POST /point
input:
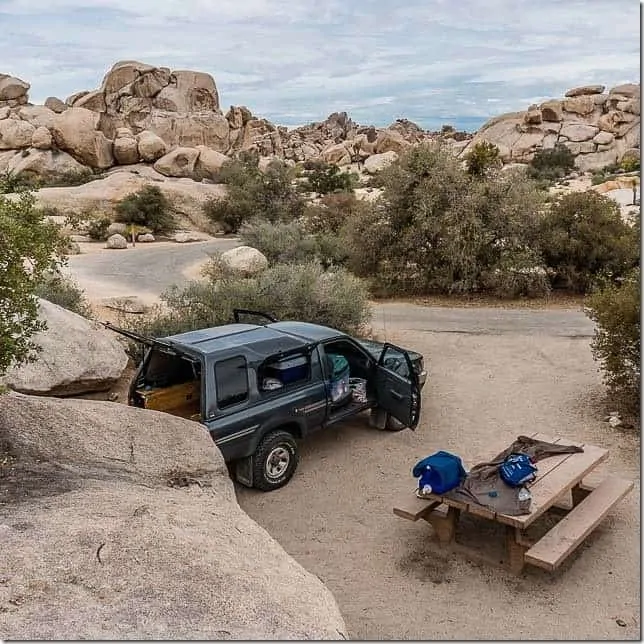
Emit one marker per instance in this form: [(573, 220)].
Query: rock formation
[(122, 523), (598, 128), (77, 356), (173, 119)]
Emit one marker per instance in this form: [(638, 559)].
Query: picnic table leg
[(515, 549), (445, 526), (579, 492)]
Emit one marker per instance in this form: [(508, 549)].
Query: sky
[(296, 61)]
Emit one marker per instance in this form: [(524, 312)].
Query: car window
[(287, 372), (231, 381)]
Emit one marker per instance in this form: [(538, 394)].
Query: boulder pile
[(143, 114), (598, 127)]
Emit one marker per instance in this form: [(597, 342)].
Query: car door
[(398, 395)]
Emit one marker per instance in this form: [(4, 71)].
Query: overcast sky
[(296, 61)]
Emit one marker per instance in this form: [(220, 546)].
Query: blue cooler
[(289, 370), (441, 472)]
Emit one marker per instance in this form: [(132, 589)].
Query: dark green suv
[(259, 387)]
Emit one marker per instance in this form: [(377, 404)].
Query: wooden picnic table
[(558, 477)]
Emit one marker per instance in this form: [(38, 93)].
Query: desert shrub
[(148, 207), (482, 158), (437, 229), (287, 291), (630, 163), (12, 182), (332, 213), (583, 236), (252, 194), (63, 291), (97, 228), (73, 178), (519, 274), (87, 222), (280, 242), (325, 178), (292, 242), (615, 308), (552, 163), (24, 233)]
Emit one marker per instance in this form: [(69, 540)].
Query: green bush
[(615, 308), (268, 195), (11, 182), (582, 236), (630, 163), (436, 229), (97, 228), (24, 233), (333, 212), (325, 178), (552, 164), (148, 207), (72, 178), (280, 242), (483, 158), (63, 291), (288, 291)]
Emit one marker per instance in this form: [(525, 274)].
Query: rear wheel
[(275, 461)]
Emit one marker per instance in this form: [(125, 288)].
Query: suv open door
[(398, 395)]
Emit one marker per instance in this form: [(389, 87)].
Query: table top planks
[(556, 475)]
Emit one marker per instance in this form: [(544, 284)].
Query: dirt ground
[(390, 578)]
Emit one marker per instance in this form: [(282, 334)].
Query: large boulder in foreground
[(122, 523), (77, 356)]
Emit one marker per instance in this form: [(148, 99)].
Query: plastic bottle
[(524, 494)]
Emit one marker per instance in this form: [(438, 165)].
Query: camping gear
[(485, 477), (288, 370), (439, 473), (517, 470), (358, 388), (338, 383)]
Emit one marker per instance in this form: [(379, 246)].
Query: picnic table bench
[(558, 476)]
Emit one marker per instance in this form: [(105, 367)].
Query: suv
[(258, 387)]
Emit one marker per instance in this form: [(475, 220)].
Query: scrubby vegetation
[(615, 308), (63, 291), (19, 182), (31, 247), (253, 194), (552, 164), (148, 207), (302, 291), (582, 236), (483, 158), (324, 178)]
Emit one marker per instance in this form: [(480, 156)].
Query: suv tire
[(275, 461), (394, 425)]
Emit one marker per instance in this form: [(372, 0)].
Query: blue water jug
[(441, 471)]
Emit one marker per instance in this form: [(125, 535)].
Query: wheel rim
[(277, 462)]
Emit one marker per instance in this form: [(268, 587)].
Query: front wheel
[(275, 461)]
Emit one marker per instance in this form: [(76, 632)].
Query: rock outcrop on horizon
[(599, 128), (173, 119)]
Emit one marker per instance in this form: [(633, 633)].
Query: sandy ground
[(390, 577)]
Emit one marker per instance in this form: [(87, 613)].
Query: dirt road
[(493, 374)]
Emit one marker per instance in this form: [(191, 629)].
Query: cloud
[(427, 60)]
